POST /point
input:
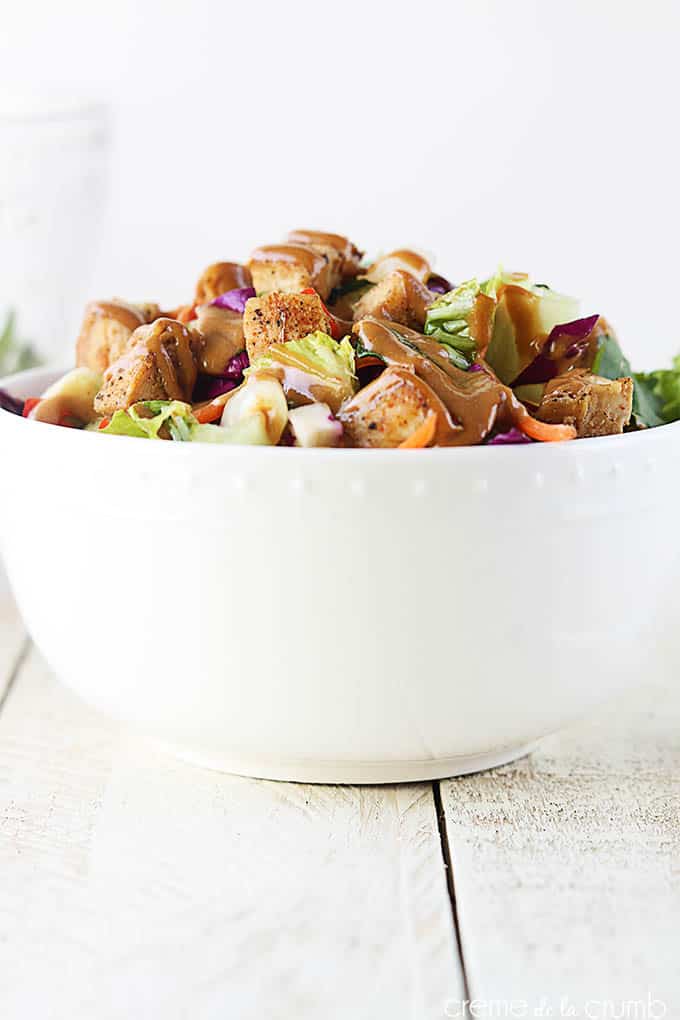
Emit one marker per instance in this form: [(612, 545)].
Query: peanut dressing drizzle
[(301, 254), (474, 402), (177, 378), (127, 315), (341, 244)]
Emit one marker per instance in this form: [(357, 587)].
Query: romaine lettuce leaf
[(325, 366), (650, 392), (324, 354), (449, 319), (145, 419)]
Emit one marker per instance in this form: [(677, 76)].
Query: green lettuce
[(325, 356), (508, 353), (145, 419), (448, 321), (317, 364), (656, 395), (660, 393)]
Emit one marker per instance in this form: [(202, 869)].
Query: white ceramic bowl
[(340, 615)]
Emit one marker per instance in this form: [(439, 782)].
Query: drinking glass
[(53, 191)]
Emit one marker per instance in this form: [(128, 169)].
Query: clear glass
[(53, 192)]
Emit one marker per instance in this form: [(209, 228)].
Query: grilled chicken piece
[(350, 254), (399, 297), (593, 405), (106, 330), (294, 267), (275, 318), (219, 278), (159, 363), (388, 410), (222, 333), (408, 261)]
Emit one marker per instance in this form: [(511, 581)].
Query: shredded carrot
[(104, 423), (185, 313), (212, 411), (422, 436), (544, 432), (29, 404)]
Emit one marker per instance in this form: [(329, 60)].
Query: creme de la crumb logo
[(650, 1008)]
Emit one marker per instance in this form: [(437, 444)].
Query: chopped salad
[(310, 344)]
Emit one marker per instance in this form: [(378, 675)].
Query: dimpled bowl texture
[(340, 615)]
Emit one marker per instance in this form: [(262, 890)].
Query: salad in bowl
[(331, 614), (308, 344)]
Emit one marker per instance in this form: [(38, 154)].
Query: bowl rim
[(539, 452)]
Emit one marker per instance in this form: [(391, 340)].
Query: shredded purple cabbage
[(439, 284), (237, 366), (210, 386), (543, 367), (541, 370), (510, 438), (579, 329), (474, 367), (234, 300), (10, 403)]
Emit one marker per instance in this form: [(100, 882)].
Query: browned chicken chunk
[(409, 261), (349, 253), (159, 363), (399, 297), (388, 410), (275, 318), (294, 267), (219, 278), (594, 406), (106, 330)]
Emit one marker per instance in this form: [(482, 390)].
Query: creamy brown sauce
[(341, 244), (177, 374), (126, 315), (300, 254), (222, 332), (522, 307), (475, 402), (410, 261), (219, 278), (178, 378)]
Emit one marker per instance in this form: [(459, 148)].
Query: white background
[(541, 135)]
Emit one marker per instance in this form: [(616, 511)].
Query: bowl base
[(350, 772)]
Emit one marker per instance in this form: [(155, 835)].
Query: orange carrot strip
[(544, 432), (209, 412), (185, 313), (29, 405), (422, 436)]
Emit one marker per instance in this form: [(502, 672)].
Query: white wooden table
[(133, 885)]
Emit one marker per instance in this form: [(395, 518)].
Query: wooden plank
[(134, 884), (567, 866)]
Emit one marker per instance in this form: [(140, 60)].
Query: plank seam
[(450, 883), (14, 673)]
